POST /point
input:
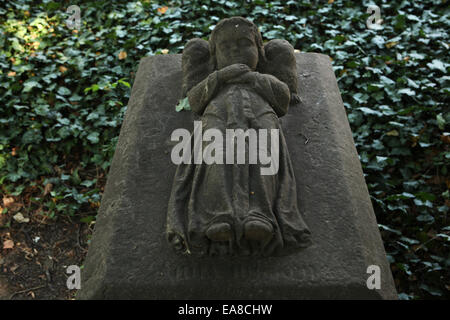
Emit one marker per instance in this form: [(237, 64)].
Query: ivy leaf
[(385, 80), (183, 104), (370, 111), (63, 91), (437, 65), (407, 91), (88, 183), (431, 290), (93, 137), (379, 41), (27, 86), (441, 121)]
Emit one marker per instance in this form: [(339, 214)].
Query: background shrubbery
[(64, 93)]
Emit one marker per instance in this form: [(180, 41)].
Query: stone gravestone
[(130, 257)]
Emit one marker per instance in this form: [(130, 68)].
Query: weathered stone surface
[(130, 258)]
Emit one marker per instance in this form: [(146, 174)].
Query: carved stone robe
[(204, 194)]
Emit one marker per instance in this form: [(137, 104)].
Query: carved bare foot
[(259, 231), (219, 232)]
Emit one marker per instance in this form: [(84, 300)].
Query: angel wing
[(195, 63), (281, 63)]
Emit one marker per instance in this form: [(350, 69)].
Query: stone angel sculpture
[(234, 82)]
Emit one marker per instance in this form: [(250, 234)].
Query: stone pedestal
[(130, 258)]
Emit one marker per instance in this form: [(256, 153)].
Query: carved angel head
[(236, 40)]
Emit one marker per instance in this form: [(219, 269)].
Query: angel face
[(236, 45)]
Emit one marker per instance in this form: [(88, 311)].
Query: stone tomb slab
[(129, 257)]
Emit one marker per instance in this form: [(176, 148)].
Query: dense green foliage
[(64, 94)]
